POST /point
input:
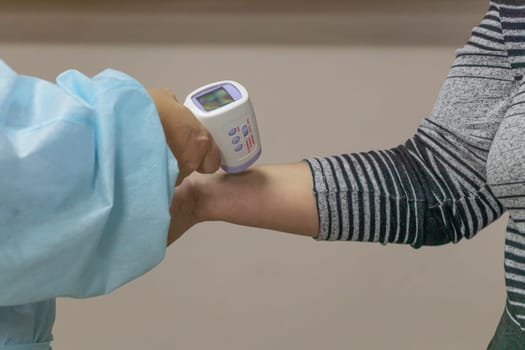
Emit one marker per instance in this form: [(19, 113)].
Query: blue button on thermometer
[(224, 108)]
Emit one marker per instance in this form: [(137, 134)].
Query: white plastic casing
[(221, 122)]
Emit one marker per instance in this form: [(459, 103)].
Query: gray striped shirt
[(464, 166)]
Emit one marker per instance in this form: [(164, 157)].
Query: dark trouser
[(508, 335)]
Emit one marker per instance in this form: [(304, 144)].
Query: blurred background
[(333, 76)]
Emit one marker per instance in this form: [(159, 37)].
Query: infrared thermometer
[(224, 108)]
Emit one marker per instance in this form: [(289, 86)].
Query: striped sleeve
[(431, 189), (423, 192)]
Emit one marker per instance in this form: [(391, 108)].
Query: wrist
[(206, 194)]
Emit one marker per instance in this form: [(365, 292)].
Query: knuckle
[(205, 141)]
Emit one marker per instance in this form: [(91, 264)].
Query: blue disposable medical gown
[(86, 181)]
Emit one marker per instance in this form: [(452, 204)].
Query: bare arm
[(430, 190), (276, 197)]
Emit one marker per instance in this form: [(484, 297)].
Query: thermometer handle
[(224, 108)]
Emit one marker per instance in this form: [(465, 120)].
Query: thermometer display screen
[(215, 99)]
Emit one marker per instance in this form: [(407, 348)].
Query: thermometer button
[(236, 140), (238, 148), (233, 131)]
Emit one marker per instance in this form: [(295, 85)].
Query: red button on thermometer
[(224, 108)]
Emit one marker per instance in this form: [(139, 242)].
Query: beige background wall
[(225, 287)]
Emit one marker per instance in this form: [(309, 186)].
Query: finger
[(183, 173), (211, 161), (191, 158), (184, 169)]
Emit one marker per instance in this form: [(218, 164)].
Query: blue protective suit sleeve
[(86, 183), (28, 326)]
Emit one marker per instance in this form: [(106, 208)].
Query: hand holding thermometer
[(224, 108)]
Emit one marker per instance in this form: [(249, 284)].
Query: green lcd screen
[(215, 99)]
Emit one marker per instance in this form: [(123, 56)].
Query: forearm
[(276, 197)]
